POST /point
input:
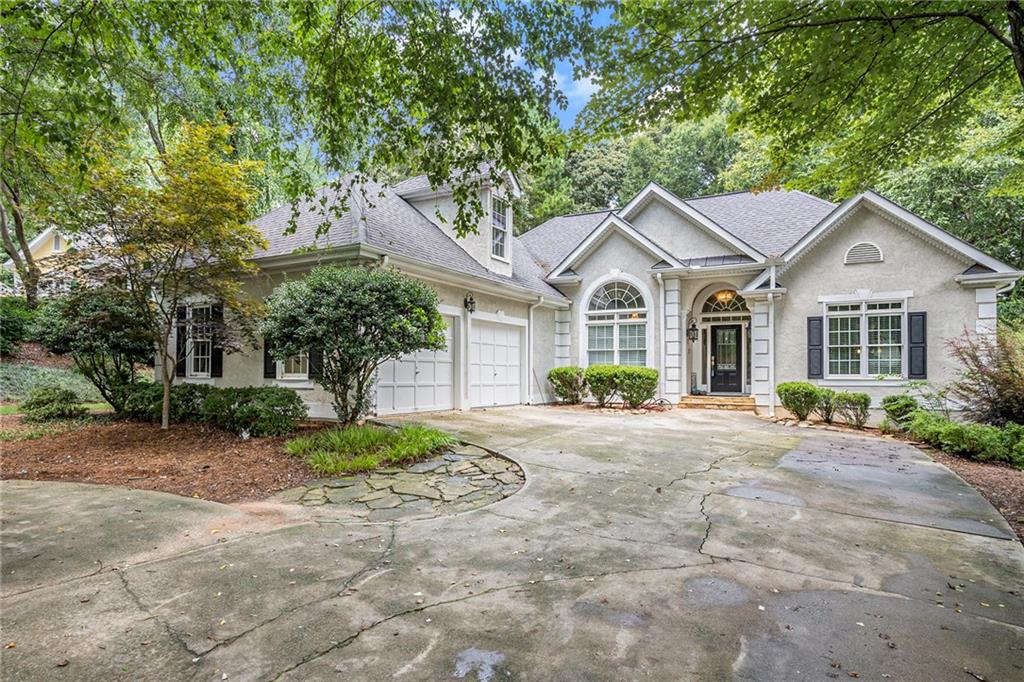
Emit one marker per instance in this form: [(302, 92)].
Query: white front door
[(420, 381), (495, 363)]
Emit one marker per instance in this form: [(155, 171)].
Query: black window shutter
[(179, 343), (269, 363), (815, 348), (917, 346), (316, 363), (216, 349)]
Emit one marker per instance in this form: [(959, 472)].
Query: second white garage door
[(419, 381), (494, 364)]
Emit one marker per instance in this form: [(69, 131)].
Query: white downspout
[(771, 354), (529, 349), (661, 333)]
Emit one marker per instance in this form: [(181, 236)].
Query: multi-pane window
[(200, 340), (617, 326), (499, 227), (296, 366), (865, 339)]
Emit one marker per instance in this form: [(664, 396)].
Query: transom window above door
[(617, 326)]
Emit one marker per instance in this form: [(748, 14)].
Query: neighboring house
[(728, 294), (46, 248)]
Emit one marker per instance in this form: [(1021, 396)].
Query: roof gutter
[(984, 279)]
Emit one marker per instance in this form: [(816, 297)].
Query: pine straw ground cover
[(185, 460)]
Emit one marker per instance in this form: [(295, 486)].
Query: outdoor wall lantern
[(692, 332), (470, 304)]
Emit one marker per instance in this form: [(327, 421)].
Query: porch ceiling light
[(692, 332), (725, 295)]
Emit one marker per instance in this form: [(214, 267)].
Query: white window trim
[(58, 243), (863, 314), (507, 229), (189, 352), (649, 308)]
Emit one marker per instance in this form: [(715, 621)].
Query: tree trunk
[(165, 410), (1016, 17), (19, 254)]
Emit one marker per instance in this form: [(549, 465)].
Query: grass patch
[(18, 379), (365, 448)]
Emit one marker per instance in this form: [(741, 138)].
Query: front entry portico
[(721, 352)]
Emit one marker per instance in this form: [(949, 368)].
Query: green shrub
[(602, 380), (853, 408), (257, 411), (364, 448), (15, 323), (569, 384), (825, 405), (972, 441), (636, 385), (798, 397), (144, 401), (898, 408), (48, 404)]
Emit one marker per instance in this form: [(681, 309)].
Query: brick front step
[(742, 403)]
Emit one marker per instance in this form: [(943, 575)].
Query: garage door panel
[(495, 364), (419, 381)]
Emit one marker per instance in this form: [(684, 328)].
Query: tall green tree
[(869, 86), (170, 229)]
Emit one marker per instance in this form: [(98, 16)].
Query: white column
[(563, 322), (761, 348), (674, 351)]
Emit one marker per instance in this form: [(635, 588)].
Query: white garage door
[(494, 364), (419, 381)]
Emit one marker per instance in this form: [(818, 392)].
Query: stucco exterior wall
[(910, 263), (442, 210), (676, 234), (615, 257)]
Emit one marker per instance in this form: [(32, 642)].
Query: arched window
[(617, 326), (725, 301)]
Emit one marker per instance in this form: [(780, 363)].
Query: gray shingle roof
[(394, 225), (554, 239), (771, 222)]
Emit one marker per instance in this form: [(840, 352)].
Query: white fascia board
[(900, 214), (613, 223), (710, 270), (653, 190), (983, 279), (35, 241)]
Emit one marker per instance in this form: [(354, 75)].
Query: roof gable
[(612, 224), (655, 192), (554, 239)]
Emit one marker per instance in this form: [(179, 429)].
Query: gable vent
[(864, 252)]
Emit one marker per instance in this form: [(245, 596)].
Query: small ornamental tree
[(103, 332), (357, 319)]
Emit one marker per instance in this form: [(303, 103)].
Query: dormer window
[(58, 243), (500, 219)]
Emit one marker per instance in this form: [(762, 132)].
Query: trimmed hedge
[(826, 405), (853, 408), (569, 384), (636, 386), (50, 403), (255, 411), (798, 397), (899, 408), (971, 441), (602, 380)]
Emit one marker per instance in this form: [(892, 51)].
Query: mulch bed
[(185, 460), (1000, 484)]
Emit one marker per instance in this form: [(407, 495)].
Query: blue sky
[(577, 91)]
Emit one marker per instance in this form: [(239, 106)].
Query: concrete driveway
[(683, 545)]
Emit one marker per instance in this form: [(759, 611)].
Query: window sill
[(198, 380), (862, 382), (501, 259), (298, 384)]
